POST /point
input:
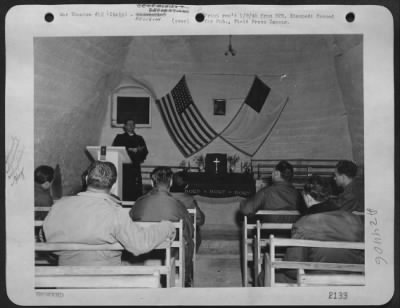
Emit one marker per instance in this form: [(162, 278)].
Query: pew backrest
[(75, 277), (193, 214), (102, 276), (253, 245), (249, 249), (171, 265), (147, 169), (177, 243), (303, 168), (328, 273)]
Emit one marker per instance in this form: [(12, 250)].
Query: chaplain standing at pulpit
[(137, 151)]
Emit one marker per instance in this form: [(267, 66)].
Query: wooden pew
[(171, 265), (261, 241), (72, 277), (193, 214), (249, 249), (102, 276), (303, 168), (147, 169), (354, 274)]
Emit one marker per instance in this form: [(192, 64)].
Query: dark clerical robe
[(132, 175)]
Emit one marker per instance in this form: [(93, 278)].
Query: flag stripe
[(185, 124), (208, 132), (198, 130), (177, 119), (189, 117), (211, 132), (169, 129), (175, 132), (178, 130), (194, 136), (209, 135)]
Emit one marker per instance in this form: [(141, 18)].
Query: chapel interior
[(320, 77)]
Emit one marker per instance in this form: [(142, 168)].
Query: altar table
[(220, 185)]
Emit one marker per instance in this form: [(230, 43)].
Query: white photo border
[(24, 23)]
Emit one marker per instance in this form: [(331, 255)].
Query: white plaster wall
[(70, 99), (313, 124), (75, 76)]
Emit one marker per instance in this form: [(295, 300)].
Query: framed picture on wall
[(219, 106)]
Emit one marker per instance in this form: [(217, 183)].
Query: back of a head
[(44, 174), (101, 175), (318, 188), (286, 170), (178, 182), (161, 176), (347, 168)]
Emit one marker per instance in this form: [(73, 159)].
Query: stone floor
[(218, 260), (215, 270)]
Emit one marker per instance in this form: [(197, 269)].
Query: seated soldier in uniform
[(281, 195), (352, 196), (178, 192), (95, 217), (44, 176), (158, 204), (323, 221)]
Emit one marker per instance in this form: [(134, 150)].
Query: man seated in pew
[(317, 194), (177, 190), (158, 204), (323, 221), (44, 176), (94, 217), (281, 195), (352, 197)]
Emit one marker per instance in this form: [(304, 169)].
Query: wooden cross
[(216, 162)]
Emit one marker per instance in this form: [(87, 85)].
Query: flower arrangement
[(246, 167), (185, 166), (232, 161), (199, 161)]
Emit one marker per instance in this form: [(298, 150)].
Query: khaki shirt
[(278, 196), (96, 218)]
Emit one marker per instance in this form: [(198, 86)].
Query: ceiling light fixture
[(230, 48)]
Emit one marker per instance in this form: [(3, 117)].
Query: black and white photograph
[(224, 164)]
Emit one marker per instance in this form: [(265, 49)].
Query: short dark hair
[(319, 188), (44, 174), (161, 175), (347, 167), (286, 170), (101, 174), (178, 182), (129, 119)]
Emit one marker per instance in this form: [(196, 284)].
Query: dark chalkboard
[(136, 108)]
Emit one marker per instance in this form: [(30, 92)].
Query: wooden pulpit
[(116, 155)]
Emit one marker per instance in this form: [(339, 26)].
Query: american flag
[(184, 123)]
